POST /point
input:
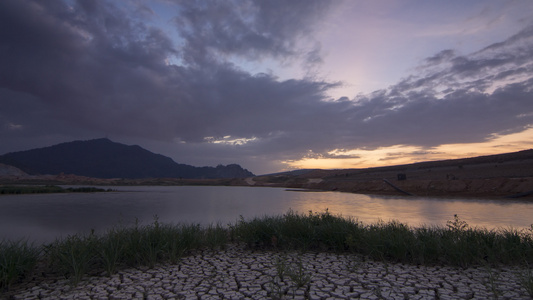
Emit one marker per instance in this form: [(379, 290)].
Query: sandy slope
[(489, 176)]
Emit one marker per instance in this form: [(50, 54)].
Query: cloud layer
[(87, 69)]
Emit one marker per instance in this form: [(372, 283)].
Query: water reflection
[(427, 211), (44, 217)]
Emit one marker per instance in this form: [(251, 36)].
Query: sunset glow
[(399, 154), (270, 85)]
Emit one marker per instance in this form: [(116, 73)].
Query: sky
[(271, 85)]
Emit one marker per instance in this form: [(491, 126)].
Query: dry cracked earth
[(238, 273)]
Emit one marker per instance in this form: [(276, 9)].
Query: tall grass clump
[(111, 250), (73, 256), (120, 247), (321, 231), (17, 260), (215, 236), (182, 239), (456, 244), (386, 241), (143, 245)]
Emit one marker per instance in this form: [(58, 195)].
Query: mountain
[(103, 158)]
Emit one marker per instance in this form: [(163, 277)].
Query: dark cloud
[(87, 69), (251, 29)]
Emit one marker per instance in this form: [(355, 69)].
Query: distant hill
[(6, 170), (508, 175), (103, 158), (297, 172)]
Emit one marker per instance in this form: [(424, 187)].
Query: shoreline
[(492, 176), (239, 273), (503, 189)]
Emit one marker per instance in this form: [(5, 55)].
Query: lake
[(44, 217)]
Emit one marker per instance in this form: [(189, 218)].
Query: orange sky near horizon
[(405, 154)]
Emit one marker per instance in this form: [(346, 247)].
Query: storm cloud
[(88, 69)]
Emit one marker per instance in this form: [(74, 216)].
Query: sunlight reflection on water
[(47, 216)]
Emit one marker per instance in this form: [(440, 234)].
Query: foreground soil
[(239, 273)]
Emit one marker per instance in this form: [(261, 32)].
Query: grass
[(73, 256), (17, 260), (526, 279), (120, 247), (456, 244), (297, 274)]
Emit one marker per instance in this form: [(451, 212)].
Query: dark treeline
[(13, 190)]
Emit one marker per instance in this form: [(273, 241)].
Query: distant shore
[(504, 176), (493, 188)]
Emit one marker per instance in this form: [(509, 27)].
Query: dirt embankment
[(490, 176), (493, 187)]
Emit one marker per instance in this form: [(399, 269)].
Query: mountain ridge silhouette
[(103, 158)]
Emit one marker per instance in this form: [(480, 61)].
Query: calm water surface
[(44, 217)]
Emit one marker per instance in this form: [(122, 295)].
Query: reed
[(456, 244), (215, 236), (111, 250), (297, 231), (73, 256), (17, 260), (120, 247)]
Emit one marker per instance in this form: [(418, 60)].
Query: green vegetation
[(16, 260), (527, 281), (36, 189), (296, 272), (86, 190), (299, 275), (455, 244), (122, 247)]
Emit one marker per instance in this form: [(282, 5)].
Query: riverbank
[(304, 255), (236, 272)]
